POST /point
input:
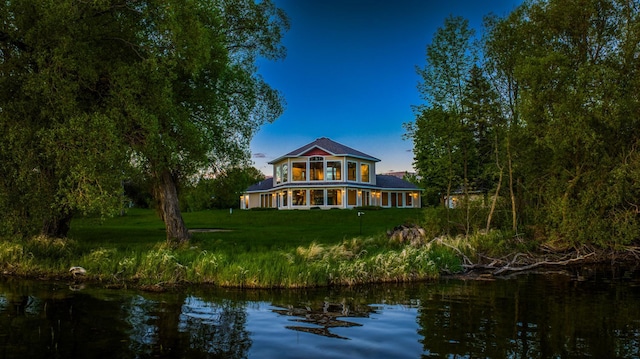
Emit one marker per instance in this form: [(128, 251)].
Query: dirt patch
[(208, 230)]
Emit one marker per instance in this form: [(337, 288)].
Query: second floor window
[(299, 171), (364, 173), (316, 168), (351, 171), (334, 170)]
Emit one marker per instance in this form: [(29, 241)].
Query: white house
[(326, 174)]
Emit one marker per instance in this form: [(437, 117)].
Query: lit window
[(299, 171), (364, 172), (385, 199), (278, 174), (299, 197), (352, 199), (334, 197), (407, 201), (317, 197), (351, 171), (334, 170), (316, 168), (366, 197)]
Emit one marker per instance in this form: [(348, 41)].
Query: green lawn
[(245, 230), (255, 249)]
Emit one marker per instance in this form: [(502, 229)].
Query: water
[(586, 313)]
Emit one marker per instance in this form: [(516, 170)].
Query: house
[(326, 174)]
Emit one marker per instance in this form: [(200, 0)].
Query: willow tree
[(90, 88), (60, 147), (194, 96)]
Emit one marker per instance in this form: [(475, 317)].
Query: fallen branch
[(508, 268)]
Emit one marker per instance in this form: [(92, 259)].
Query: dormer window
[(316, 168)]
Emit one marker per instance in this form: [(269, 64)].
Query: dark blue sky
[(350, 73)]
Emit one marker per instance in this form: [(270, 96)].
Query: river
[(583, 313)]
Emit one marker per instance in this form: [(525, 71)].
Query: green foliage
[(88, 89), (556, 143), (222, 191)]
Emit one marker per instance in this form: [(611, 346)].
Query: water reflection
[(534, 316), (322, 316)]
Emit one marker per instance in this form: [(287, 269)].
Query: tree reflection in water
[(531, 316)]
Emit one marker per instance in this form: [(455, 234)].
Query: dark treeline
[(538, 119)]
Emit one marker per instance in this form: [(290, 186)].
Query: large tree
[(89, 88), (441, 134), (60, 145)]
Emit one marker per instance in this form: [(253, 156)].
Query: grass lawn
[(253, 249), (244, 230)]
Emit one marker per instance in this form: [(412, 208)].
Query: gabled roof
[(329, 146)]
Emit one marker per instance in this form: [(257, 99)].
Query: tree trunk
[(495, 197), (57, 226), (514, 217), (169, 208)]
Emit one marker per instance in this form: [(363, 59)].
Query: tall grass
[(266, 249)]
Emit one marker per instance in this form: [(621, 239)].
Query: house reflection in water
[(324, 316)]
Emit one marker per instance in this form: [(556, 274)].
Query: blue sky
[(350, 73)]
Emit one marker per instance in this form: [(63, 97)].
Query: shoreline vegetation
[(271, 249)]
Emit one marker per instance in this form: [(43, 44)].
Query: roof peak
[(329, 146)]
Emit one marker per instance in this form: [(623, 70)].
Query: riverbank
[(261, 249), (279, 250)]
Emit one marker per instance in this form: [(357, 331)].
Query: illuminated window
[(299, 197), (334, 169), (266, 200), (366, 198), (385, 199), (317, 197), (299, 171), (334, 197), (407, 200), (316, 168), (364, 172), (352, 197), (351, 171)]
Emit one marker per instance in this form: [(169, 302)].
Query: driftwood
[(522, 262), (547, 256)]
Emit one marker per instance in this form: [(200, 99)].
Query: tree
[(60, 144), (485, 125), (167, 86), (576, 68), (221, 191), (440, 134)]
